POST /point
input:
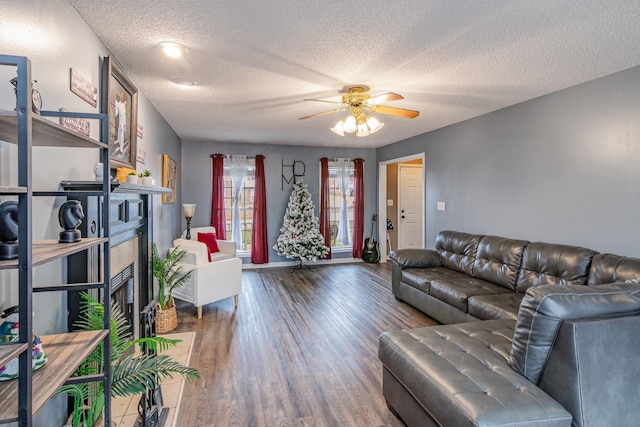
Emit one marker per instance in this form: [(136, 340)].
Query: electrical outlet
[(389, 202), (440, 206)]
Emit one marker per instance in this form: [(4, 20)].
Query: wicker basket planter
[(166, 320)]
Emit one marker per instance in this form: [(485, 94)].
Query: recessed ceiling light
[(185, 82), (172, 49)]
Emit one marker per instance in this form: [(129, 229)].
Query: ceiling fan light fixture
[(374, 125), (338, 128), (363, 129), (349, 124)]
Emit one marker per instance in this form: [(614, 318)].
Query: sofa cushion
[(499, 306), (219, 256), (460, 373), (608, 268), (457, 250), (545, 307), (498, 260), (457, 291), (553, 264), (421, 278)]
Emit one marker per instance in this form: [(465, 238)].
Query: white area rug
[(172, 387)]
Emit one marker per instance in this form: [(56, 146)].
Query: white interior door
[(410, 193)]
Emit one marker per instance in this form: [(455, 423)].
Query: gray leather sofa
[(535, 351), (570, 359), (474, 277)]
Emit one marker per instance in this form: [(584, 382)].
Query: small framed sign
[(76, 124), (83, 88)]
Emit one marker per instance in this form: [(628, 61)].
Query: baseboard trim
[(277, 264)]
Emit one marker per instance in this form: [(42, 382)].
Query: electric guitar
[(370, 252)]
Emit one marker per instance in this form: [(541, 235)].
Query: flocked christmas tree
[(300, 236)]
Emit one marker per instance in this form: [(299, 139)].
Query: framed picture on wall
[(120, 101), (169, 178)]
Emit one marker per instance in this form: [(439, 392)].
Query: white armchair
[(228, 248), (210, 281)]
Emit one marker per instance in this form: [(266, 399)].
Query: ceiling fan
[(359, 102)]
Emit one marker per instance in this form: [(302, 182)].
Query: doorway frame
[(382, 198)]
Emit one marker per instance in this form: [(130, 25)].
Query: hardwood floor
[(301, 349)]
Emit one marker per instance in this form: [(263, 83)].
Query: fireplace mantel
[(116, 187)]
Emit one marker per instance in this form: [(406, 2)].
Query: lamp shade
[(374, 124), (338, 128), (188, 210), (349, 124)]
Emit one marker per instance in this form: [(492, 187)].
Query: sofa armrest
[(227, 246), (211, 282), (416, 258)]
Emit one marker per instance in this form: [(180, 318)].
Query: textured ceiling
[(450, 59)]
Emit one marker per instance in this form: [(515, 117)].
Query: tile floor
[(124, 411)]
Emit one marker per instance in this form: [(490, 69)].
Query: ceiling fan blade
[(386, 97), (393, 111), (323, 100), (320, 114)]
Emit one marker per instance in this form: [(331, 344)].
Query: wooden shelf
[(9, 351), (65, 352), (48, 250), (12, 190), (45, 133)]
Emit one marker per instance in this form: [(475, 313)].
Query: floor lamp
[(188, 210)]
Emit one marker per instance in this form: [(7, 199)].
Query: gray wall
[(560, 168), (56, 39), (196, 179)]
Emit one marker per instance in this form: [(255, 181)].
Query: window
[(341, 173), (245, 203)]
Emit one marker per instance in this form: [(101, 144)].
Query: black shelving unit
[(20, 399)]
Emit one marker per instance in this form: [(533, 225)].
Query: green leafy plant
[(131, 374), (132, 173), (169, 274), (146, 172)]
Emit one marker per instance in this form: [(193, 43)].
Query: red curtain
[(259, 244), (325, 205), (358, 202), (217, 197)]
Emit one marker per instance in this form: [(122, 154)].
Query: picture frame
[(119, 100), (169, 178)]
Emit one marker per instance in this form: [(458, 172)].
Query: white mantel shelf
[(116, 187)]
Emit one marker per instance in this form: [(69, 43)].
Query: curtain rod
[(227, 156), (336, 159)]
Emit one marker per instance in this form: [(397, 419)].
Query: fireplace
[(131, 225), (123, 294)]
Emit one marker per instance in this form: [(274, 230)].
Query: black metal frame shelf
[(20, 399)]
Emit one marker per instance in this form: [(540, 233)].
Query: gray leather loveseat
[(549, 354)]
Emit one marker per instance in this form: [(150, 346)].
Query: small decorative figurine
[(9, 230), (36, 98), (98, 171), (70, 216), (9, 333)]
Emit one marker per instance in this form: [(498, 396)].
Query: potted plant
[(132, 178), (170, 276), (146, 177), (131, 373)]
